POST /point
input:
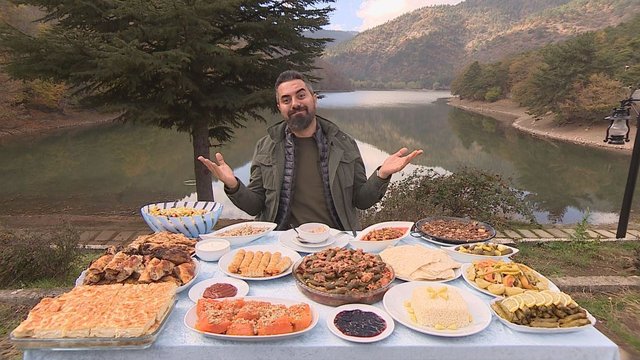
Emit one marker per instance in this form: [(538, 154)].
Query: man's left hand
[(396, 162)]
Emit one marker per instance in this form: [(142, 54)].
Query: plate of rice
[(437, 309)]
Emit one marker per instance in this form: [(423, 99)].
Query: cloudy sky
[(360, 15)]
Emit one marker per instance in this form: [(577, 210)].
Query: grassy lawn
[(581, 258), (11, 316), (64, 280), (618, 317)]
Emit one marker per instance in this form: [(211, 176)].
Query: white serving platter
[(378, 246), (537, 330), (191, 318), (226, 259), (241, 240), (457, 272), (394, 302), (467, 258), (80, 279), (474, 286)]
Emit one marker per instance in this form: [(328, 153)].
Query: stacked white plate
[(291, 240)]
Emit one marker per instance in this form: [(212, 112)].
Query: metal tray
[(416, 231), (93, 343)]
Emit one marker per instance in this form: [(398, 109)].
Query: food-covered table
[(493, 343)]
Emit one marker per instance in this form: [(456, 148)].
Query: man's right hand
[(221, 170)]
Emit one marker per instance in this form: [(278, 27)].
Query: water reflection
[(118, 168)]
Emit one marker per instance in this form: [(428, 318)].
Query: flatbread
[(416, 262)]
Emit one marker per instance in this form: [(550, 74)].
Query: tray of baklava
[(114, 316)]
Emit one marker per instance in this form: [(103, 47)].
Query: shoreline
[(510, 113), (40, 124)]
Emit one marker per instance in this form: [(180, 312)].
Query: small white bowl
[(377, 246), (213, 249), (314, 232)]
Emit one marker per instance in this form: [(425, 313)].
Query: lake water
[(115, 169)]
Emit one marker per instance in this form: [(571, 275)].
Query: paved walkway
[(102, 239)]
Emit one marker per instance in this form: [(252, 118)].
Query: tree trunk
[(200, 136)]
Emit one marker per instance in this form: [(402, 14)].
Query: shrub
[(493, 94), (467, 193), (43, 96), (26, 256)]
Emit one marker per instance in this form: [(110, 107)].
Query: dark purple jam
[(359, 323)]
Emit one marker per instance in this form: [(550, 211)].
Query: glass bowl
[(330, 299)]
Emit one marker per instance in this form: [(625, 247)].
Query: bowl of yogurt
[(212, 249)]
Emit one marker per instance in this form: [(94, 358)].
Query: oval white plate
[(226, 259), (286, 239), (467, 258), (241, 240), (456, 274), (536, 330), (198, 289), (472, 284), (387, 318), (191, 317), (395, 298), (386, 224), (80, 278), (378, 246)]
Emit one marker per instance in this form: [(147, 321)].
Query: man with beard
[(306, 169)]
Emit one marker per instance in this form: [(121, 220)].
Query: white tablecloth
[(494, 343)]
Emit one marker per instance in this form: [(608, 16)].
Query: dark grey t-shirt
[(308, 203)]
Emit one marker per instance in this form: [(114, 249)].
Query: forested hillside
[(429, 45), (579, 80)]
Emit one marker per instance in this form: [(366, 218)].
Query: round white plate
[(198, 289), (388, 319), (80, 278), (241, 240), (536, 330), (456, 274), (473, 285), (467, 258), (330, 240), (286, 239), (226, 259), (191, 317), (395, 298)]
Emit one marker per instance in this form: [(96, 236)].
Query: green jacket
[(350, 188)]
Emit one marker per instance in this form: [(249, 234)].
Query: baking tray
[(416, 231), (94, 343)]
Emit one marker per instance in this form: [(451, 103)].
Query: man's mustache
[(297, 109)]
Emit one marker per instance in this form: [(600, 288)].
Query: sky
[(360, 15)]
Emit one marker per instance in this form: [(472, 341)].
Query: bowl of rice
[(190, 218)]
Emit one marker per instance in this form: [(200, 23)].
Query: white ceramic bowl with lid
[(212, 249)]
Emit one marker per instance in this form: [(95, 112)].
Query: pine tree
[(205, 67)]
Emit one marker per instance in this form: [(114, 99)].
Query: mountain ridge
[(431, 44)]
